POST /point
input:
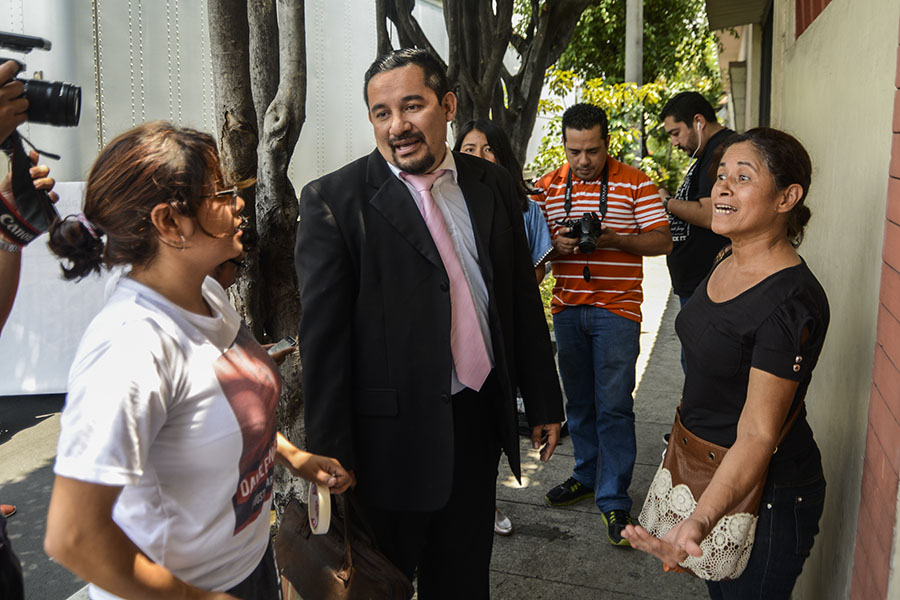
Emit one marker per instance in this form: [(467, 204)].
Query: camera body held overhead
[(49, 102)]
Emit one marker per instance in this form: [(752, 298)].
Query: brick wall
[(807, 11), (878, 504)]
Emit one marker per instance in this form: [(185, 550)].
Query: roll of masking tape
[(319, 509)]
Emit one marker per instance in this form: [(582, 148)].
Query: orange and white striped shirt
[(633, 207)]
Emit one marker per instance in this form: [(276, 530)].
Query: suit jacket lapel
[(393, 200), (480, 202)]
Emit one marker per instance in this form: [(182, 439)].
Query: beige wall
[(833, 89)]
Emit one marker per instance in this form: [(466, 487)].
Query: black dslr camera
[(587, 229), (50, 102)]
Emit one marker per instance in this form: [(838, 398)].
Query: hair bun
[(797, 220), (72, 242)]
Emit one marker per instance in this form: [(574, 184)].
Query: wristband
[(14, 226), (7, 247), (666, 203)]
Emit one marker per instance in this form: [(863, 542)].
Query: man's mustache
[(412, 137)]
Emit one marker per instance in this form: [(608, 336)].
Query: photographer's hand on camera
[(563, 244), (608, 238), (12, 104), (10, 256), (42, 181)]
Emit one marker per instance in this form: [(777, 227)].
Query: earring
[(182, 243)]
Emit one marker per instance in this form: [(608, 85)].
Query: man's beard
[(413, 166)]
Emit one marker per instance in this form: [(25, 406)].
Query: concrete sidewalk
[(559, 553), (555, 553)]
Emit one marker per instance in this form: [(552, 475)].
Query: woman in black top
[(752, 334)]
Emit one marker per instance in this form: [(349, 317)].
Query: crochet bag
[(688, 466)]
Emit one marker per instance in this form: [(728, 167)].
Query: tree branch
[(263, 22), (381, 30), (408, 28)]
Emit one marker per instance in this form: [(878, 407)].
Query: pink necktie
[(466, 340)]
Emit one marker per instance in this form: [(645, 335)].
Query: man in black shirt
[(691, 124)]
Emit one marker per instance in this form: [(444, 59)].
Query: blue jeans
[(597, 352), (788, 523)]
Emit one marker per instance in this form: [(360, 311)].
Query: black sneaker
[(615, 521), (567, 493)]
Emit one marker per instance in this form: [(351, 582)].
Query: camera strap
[(604, 190), (35, 211), (604, 193)]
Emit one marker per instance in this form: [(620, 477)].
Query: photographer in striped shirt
[(604, 216)]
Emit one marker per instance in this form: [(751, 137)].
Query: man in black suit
[(416, 411)]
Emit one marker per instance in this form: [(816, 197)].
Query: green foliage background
[(680, 53)]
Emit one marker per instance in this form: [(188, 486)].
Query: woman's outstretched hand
[(682, 540)]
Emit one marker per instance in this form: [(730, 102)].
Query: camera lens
[(53, 102)]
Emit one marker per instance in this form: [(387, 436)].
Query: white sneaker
[(502, 524)]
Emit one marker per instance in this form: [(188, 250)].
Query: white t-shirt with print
[(178, 408)]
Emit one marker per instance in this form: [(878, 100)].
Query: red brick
[(890, 289), (886, 378), (882, 481), (870, 505), (881, 518), (895, 156), (880, 526), (893, 203), (866, 586), (891, 250), (897, 80), (895, 126), (801, 19), (861, 571), (875, 459), (888, 334), (878, 560), (869, 486), (881, 574), (886, 428)]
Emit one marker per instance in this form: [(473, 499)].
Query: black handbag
[(344, 563)]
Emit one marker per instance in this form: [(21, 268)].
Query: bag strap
[(348, 553), (785, 429), (788, 424), (35, 211), (348, 500)]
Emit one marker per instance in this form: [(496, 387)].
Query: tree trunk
[(277, 220), (261, 108), (236, 122), (634, 41)]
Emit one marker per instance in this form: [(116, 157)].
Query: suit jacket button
[(445, 398), (445, 287)]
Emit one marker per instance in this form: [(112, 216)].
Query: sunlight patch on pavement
[(657, 288)]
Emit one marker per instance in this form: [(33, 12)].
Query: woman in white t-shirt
[(168, 440)]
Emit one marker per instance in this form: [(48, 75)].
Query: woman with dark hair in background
[(752, 333), (486, 140), (168, 440)]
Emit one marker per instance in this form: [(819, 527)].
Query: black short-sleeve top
[(777, 326)]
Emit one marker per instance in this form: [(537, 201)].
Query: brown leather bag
[(686, 470), (341, 564)]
